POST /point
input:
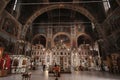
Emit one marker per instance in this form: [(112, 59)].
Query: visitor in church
[(44, 66), (56, 70)]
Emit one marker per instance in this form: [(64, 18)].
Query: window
[(106, 4), (15, 4), (61, 53), (65, 53)]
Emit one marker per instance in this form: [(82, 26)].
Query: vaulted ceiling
[(26, 9)]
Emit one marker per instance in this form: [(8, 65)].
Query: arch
[(36, 36), (86, 36), (52, 7), (60, 33)]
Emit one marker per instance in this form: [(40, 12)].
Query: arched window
[(106, 4), (15, 4)]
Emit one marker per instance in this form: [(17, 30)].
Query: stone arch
[(60, 33), (37, 35), (86, 36), (52, 7)]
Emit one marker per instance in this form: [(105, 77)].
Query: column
[(49, 37), (73, 36)]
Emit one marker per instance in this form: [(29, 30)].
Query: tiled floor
[(84, 75)]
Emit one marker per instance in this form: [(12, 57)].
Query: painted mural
[(9, 28)]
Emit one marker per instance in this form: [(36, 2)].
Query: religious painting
[(62, 40), (24, 62), (7, 24), (9, 27), (42, 30), (79, 28), (16, 62)]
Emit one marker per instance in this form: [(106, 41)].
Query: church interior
[(80, 37)]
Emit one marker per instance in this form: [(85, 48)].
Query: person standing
[(56, 70), (44, 66)]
